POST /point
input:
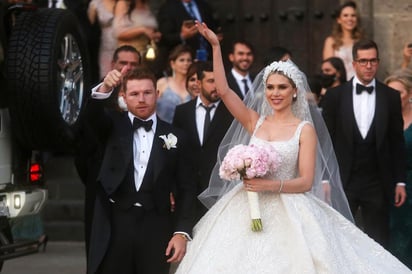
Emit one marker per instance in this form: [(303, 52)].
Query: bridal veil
[(327, 184)]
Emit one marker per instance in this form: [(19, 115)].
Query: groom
[(134, 230)]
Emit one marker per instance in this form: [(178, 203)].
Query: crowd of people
[(155, 131)]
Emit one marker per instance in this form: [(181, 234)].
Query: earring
[(294, 96)]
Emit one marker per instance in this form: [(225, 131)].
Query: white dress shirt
[(239, 81), (142, 146), (100, 95), (364, 107), (142, 141), (59, 4), (200, 116)]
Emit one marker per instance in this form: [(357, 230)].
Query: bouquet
[(249, 161)]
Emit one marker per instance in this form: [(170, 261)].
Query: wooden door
[(298, 25)]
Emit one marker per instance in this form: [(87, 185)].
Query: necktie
[(245, 86), (191, 11), (206, 124), (147, 125), (360, 88)]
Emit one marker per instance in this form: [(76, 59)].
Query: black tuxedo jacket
[(170, 169), (203, 156), (233, 83), (339, 117)]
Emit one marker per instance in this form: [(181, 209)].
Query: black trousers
[(138, 242), (374, 208)]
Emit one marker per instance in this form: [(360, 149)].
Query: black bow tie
[(360, 88), (147, 125)]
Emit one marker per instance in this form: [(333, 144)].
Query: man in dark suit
[(125, 58), (145, 158), (191, 117), (365, 123), (176, 23), (89, 151), (241, 56)]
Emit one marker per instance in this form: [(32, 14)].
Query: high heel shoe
[(43, 242)]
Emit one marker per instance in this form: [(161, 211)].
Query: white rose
[(170, 141)]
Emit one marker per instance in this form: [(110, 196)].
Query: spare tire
[(47, 71)]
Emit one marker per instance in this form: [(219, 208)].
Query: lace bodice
[(288, 151)]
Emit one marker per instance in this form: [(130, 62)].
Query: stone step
[(63, 213), (62, 179), (62, 191), (63, 210), (64, 230)]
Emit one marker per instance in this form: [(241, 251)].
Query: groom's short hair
[(364, 44), (138, 74)]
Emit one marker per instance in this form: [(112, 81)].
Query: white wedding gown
[(301, 234)]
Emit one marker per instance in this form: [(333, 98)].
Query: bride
[(301, 233)]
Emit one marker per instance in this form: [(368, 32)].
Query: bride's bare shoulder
[(308, 132)]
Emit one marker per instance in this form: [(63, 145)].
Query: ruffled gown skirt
[(301, 234)]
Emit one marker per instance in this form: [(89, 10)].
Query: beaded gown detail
[(301, 234)]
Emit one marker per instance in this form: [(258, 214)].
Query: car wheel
[(47, 65)]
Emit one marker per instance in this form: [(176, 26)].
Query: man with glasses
[(365, 123)]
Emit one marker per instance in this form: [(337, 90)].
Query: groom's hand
[(400, 195), (176, 248)]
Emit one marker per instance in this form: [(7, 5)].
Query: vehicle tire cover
[(37, 75)]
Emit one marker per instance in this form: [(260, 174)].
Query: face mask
[(327, 80)]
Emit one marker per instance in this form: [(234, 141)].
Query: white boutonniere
[(170, 141)]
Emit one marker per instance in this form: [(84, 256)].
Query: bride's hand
[(258, 185), (209, 35)]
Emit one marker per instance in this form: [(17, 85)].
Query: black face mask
[(327, 80)]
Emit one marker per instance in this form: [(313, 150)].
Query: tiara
[(287, 67)]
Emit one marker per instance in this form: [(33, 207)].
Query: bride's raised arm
[(247, 117)]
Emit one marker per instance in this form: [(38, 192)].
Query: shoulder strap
[(258, 124), (299, 128)]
